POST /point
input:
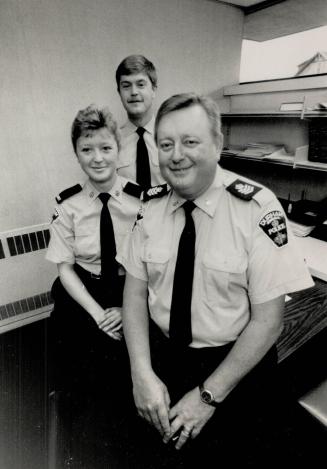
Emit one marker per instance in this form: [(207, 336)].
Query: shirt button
[(91, 194), (149, 256), (117, 193)]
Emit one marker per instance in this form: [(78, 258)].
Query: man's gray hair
[(185, 100)]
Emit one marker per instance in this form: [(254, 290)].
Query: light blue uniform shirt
[(237, 264)]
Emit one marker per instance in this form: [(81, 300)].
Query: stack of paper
[(259, 150), (280, 155), (230, 151), (300, 230), (320, 107)]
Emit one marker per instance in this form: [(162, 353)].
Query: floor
[(24, 397), (33, 435)]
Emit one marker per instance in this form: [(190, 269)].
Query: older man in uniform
[(208, 266), (136, 79)]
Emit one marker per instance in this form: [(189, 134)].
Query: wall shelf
[(288, 118), (270, 114), (311, 166)]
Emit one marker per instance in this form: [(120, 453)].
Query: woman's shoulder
[(68, 193)]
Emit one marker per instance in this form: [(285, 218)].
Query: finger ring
[(186, 432)]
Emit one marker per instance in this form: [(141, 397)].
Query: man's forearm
[(136, 323)]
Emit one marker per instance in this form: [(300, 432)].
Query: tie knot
[(104, 197), (188, 206), (140, 131)]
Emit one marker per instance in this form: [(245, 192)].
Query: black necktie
[(143, 175), (109, 265), (180, 326)]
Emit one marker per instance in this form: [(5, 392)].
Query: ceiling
[(269, 19)]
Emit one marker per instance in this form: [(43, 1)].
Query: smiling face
[(97, 153), (137, 95), (188, 151)]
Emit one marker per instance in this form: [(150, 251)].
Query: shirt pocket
[(86, 243), (156, 260), (221, 273)]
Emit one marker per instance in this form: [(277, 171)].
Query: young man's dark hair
[(137, 64)]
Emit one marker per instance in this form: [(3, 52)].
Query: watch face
[(206, 396)]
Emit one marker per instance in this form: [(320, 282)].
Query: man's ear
[(220, 142), (219, 145)]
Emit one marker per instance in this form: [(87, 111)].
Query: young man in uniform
[(136, 79), (208, 268)]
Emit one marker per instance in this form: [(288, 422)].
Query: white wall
[(58, 56), (61, 55)]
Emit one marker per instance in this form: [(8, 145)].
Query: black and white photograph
[(163, 234)]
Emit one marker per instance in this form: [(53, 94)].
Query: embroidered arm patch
[(273, 225)]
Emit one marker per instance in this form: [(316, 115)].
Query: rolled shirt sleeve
[(130, 256), (61, 245)]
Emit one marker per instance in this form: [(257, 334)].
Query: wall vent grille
[(2, 254), (25, 305), (26, 242)]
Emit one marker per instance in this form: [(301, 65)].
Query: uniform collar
[(130, 128), (207, 201), (115, 192)]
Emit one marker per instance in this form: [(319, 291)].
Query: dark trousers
[(240, 431), (82, 354), (91, 377)]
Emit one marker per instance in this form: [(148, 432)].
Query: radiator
[(26, 277)]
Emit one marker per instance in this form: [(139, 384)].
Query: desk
[(315, 254), (305, 316)]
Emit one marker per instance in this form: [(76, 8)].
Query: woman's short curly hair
[(92, 118)]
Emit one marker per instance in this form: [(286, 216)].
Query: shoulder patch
[(274, 226), (139, 216), (133, 189), (155, 191), (55, 215), (243, 189), (68, 193)]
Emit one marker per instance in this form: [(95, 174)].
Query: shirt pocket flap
[(223, 263), (156, 255)]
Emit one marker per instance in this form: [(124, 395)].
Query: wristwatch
[(207, 396)]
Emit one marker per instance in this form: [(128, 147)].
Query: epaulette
[(155, 191), (68, 193), (243, 189), (133, 189)]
